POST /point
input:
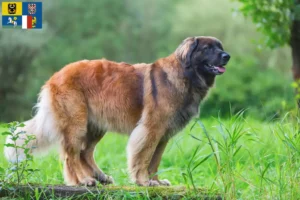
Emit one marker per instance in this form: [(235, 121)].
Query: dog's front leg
[(140, 149), (153, 166)]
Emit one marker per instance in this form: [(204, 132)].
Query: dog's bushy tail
[(42, 126)]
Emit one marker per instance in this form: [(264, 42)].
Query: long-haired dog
[(150, 102)]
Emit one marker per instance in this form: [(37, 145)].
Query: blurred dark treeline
[(143, 31)]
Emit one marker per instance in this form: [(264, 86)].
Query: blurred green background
[(257, 79)]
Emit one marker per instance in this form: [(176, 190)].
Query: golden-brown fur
[(150, 102)]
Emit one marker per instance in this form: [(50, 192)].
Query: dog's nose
[(225, 57)]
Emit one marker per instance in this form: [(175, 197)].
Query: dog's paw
[(152, 183), (104, 179), (88, 181), (108, 180), (165, 182)]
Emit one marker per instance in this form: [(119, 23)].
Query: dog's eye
[(205, 49)]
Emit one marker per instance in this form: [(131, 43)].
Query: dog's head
[(12, 8), (202, 55)]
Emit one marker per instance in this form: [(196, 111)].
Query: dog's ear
[(185, 52)]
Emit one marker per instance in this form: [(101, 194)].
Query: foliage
[(15, 58), (192, 165), (272, 18), (136, 32), (19, 172), (225, 150), (119, 30), (239, 157), (231, 170)]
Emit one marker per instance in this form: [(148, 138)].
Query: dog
[(150, 102), (12, 8)]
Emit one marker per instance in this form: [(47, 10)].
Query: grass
[(240, 158)]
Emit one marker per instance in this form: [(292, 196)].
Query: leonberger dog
[(150, 102)]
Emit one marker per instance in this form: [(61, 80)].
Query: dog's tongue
[(221, 69)]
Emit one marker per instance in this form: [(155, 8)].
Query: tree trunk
[(295, 45)]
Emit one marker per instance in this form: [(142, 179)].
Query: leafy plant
[(225, 152), (287, 131), (194, 162), (279, 21), (19, 171)]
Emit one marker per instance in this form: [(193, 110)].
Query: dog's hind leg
[(88, 161), (155, 161), (74, 171), (72, 116)]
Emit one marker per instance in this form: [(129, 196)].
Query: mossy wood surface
[(111, 192)]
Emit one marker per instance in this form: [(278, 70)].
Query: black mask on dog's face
[(203, 54)]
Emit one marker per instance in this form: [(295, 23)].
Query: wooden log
[(107, 192)]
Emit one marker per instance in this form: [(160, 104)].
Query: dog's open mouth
[(217, 69)]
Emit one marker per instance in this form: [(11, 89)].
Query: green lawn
[(252, 159)]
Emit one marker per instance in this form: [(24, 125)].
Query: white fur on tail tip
[(42, 125)]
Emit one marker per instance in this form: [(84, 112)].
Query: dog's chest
[(182, 117)]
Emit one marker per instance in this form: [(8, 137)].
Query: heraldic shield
[(23, 15)]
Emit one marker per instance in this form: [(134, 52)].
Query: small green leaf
[(202, 161), (6, 133), (9, 145), (195, 137), (13, 168), (236, 151), (21, 132), (26, 151), (21, 125), (14, 138)]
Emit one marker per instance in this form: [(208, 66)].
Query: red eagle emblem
[(31, 8)]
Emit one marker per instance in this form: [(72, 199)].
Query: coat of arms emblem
[(12, 8), (31, 8)]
